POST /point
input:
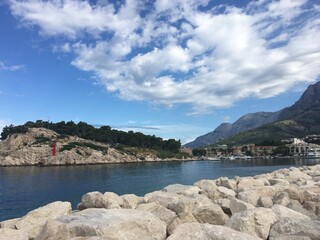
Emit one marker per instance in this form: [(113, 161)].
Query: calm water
[(25, 188)]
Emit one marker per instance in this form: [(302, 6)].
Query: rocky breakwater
[(282, 205)]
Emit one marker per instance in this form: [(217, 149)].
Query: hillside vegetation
[(104, 134), (274, 132)]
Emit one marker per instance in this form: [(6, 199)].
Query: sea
[(23, 189)]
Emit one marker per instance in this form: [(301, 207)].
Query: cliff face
[(34, 148), (305, 112)]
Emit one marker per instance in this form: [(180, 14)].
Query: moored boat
[(313, 153)]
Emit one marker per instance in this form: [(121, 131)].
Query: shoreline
[(104, 163), (282, 204)]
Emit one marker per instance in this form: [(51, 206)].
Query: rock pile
[(281, 205)]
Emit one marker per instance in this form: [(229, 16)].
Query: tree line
[(104, 134)]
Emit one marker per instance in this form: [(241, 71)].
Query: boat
[(212, 158), (313, 153)]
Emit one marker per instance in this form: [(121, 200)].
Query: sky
[(170, 68)]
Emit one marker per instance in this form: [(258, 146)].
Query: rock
[(265, 202), (284, 212), (200, 207), (161, 212), (296, 206), (295, 227), (278, 181), (226, 193), (9, 223), (173, 225), (209, 189), (282, 198), (183, 190), (295, 175), (92, 200), (252, 196), (314, 207), (131, 201), (33, 222), (98, 200), (224, 203), (311, 194), (237, 205), (116, 224), (246, 183), (228, 183), (249, 196), (294, 192), (256, 222), (13, 234), (112, 200), (198, 231), (175, 202), (206, 211)]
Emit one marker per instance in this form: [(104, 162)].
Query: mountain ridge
[(304, 112)]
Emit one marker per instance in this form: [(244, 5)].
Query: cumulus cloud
[(185, 52)]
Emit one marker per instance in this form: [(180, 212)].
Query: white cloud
[(12, 68), (170, 52)]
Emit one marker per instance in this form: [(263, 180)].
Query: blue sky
[(172, 68)]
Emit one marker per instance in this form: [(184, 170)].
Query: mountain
[(300, 119), (225, 130)]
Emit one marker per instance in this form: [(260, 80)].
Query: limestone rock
[(175, 202), (246, 183), (286, 227), (209, 188), (131, 201), (197, 231), (311, 194), (33, 222), (161, 212), (206, 211), (9, 223), (13, 234), (278, 181), (296, 206), (116, 224), (284, 212), (92, 200), (265, 202), (282, 198), (249, 196), (112, 200), (256, 222), (200, 207), (226, 193), (237, 205), (228, 183), (314, 207), (224, 203), (183, 190)]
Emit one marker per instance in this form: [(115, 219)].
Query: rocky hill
[(35, 148), (303, 116)]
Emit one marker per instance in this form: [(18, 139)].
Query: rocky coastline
[(281, 205), (34, 148)]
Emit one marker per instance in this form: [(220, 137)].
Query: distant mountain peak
[(306, 108)]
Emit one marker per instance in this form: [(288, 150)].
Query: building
[(300, 147)]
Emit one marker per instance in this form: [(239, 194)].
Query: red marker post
[(54, 149)]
